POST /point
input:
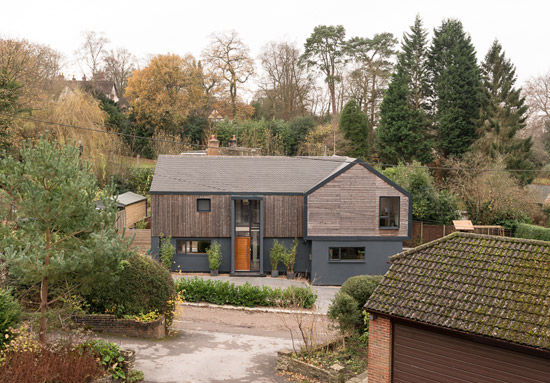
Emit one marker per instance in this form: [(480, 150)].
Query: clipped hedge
[(527, 231), (225, 293), (142, 286)]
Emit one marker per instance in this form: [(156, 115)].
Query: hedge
[(225, 293), (525, 230)]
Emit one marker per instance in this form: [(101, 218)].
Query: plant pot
[(290, 275), (213, 273), (274, 273)]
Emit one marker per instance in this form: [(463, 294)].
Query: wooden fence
[(422, 233), (142, 239)]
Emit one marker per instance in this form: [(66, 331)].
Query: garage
[(425, 356)]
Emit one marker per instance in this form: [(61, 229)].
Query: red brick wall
[(380, 350)]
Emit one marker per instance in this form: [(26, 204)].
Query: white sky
[(161, 26)]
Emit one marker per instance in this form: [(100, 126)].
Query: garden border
[(109, 324)]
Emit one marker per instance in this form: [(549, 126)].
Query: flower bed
[(331, 362)]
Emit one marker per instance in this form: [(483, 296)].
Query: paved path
[(324, 293)]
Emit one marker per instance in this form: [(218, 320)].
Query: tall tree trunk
[(44, 303)]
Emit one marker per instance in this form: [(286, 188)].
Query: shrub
[(361, 287), (167, 251), (225, 293), (289, 257), (214, 256), (142, 286), (60, 365), (527, 231), (108, 353), (139, 180), (10, 315), (276, 254), (347, 306)]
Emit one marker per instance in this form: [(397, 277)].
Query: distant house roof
[(233, 174), (130, 198), (540, 192), (490, 286), (123, 200)]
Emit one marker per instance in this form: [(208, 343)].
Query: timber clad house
[(348, 218), (463, 308)]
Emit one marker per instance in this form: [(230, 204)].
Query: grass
[(353, 357), (143, 162)]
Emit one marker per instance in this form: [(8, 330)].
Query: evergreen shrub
[(10, 315), (527, 231)]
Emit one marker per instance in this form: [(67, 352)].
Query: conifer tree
[(403, 132), (455, 85), (55, 237), (354, 125), (503, 114)]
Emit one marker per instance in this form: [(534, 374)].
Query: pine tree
[(455, 84), (403, 132), (503, 114), (56, 238), (355, 127)]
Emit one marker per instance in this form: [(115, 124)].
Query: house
[(97, 86), (347, 217), (132, 208), (464, 308)]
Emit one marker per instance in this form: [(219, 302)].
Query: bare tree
[(118, 67), (91, 52), (229, 57), (537, 95), (285, 85)]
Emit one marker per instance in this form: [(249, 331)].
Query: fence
[(422, 233)]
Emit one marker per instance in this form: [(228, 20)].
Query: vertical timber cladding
[(348, 205), (283, 216), (176, 215)]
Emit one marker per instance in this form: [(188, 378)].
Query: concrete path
[(210, 353), (324, 293)]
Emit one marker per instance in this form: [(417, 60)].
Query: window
[(192, 247), (203, 204), (389, 212), (346, 253)]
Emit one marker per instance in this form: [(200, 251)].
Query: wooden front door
[(242, 253)]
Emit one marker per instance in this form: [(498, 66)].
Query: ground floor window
[(192, 246), (346, 253)]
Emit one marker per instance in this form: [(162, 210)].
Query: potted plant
[(214, 258), (276, 255), (290, 259)]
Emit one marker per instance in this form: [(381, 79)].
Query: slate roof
[(491, 286), (233, 174)]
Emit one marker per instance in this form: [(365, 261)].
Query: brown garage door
[(423, 356)]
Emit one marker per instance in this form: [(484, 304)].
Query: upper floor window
[(203, 204), (389, 212)]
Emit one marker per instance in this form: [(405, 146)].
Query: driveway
[(324, 293), (217, 345)]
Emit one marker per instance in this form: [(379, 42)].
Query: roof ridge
[(525, 241)]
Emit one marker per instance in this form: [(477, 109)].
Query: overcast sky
[(160, 26)]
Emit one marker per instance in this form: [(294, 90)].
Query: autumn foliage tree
[(163, 94)]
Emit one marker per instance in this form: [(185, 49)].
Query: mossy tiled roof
[(491, 286)]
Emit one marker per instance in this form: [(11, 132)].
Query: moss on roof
[(491, 286)]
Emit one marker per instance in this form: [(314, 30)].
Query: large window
[(192, 247), (346, 253), (203, 204), (389, 212)]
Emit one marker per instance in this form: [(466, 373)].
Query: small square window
[(389, 213), (203, 204)]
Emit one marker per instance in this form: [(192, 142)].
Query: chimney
[(213, 146), (233, 142), (84, 78)]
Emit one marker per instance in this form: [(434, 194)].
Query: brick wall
[(110, 324), (380, 350)]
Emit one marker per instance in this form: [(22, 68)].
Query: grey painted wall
[(198, 262), (377, 253), (302, 265)]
